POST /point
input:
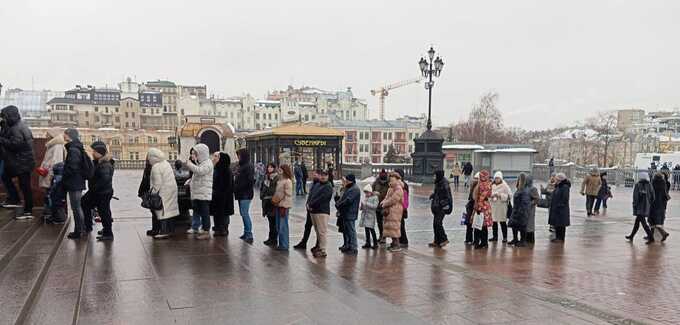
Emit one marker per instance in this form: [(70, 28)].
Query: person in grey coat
[(643, 198), (535, 197)]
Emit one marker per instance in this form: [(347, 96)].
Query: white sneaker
[(161, 236), (200, 231), (24, 216), (192, 231)]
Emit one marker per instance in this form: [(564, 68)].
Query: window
[(115, 141), (96, 118), (96, 109), (93, 138), (106, 109), (143, 110), (133, 114), (384, 136), (126, 114), (384, 148), (134, 125), (87, 114), (70, 107), (117, 119), (116, 109)]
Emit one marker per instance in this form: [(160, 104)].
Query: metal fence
[(615, 176), (367, 170)]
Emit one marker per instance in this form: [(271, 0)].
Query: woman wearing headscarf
[(162, 181), (222, 203), (535, 197), (482, 194), (558, 213), (441, 204), (501, 194), (54, 154)]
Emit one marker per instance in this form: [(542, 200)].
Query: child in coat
[(368, 216)]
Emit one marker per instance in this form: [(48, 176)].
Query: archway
[(211, 139)]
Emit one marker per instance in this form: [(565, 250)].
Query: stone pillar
[(428, 157)]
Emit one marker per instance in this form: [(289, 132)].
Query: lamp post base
[(428, 157)]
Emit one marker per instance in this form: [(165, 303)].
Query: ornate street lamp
[(428, 156)]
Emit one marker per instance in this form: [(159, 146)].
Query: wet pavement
[(596, 277)]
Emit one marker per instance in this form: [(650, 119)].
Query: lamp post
[(428, 156)]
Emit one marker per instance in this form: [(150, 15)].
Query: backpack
[(88, 166)]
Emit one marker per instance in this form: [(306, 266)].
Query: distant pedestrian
[(403, 240), (676, 177), (260, 173), (244, 180), (467, 172), (368, 217), (298, 179), (54, 154), (283, 201), (441, 204), (455, 175), (590, 188), (74, 181), (558, 213), (162, 181), (603, 194), (643, 198), (201, 190), (535, 198), (381, 185), (16, 147), (551, 166), (393, 207), (519, 218), (501, 194), (347, 206), (303, 168), (482, 195), (319, 209), (657, 214), (309, 223), (267, 191), (100, 190), (222, 203), (470, 212)]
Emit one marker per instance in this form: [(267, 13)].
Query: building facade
[(29, 102)]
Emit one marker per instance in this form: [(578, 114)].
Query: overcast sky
[(552, 62)]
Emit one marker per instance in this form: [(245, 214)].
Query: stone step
[(14, 234), (26, 267)]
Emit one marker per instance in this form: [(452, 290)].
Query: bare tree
[(484, 123), (605, 125)]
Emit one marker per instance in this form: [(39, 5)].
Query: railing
[(130, 164), (367, 170), (615, 176)]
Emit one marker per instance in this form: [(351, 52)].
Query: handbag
[(152, 200), (463, 219), (478, 222), (42, 171), (543, 203)]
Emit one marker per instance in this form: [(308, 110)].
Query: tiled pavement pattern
[(596, 277)]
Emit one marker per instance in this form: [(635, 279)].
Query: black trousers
[(403, 240), (308, 229), (370, 232), (504, 230), (560, 232), (641, 220), (519, 234), (438, 226), (273, 231), (469, 233), (221, 223), (599, 202), (379, 219), (24, 185), (590, 200), (482, 236), (102, 203)]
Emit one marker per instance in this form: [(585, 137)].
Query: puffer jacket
[(74, 179), (162, 180), (102, 181), (201, 183), (54, 154), (393, 205), (16, 141)]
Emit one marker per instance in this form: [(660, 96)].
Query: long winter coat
[(101, 183), (441, 196), (162, 180), (267, 190), (74, 179), (657, 215), (284, 192), (348, 203), (16, 143), (591, 184), (482, 193), (54, 153), (643, 198), (393, 209), (501, 194), (202, 174), (222, 203), (521, 203), (368, 216), (535, 196), (559, 214), (244, 180)]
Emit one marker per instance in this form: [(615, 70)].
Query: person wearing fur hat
[(501, 194), (368, 206), (100, 190), (74, 180), (393, 207), (54, 154)]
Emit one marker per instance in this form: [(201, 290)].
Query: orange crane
[(382, 92)]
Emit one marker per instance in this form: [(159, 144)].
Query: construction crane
[(382, 92)]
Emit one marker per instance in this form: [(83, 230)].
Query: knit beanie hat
[(351, 178), (99, 147), (72, 133)]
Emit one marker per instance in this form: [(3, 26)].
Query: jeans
[(439, 233), (602, 202), (75, 198), (282, 227), (466, 179), (403, 240), (298, 187), (641, 220), (349, 234), (201, 214), (103, 205), (308, 230), (320, 221), (456, 182), (590, 200), (24, 184), (244, 210)]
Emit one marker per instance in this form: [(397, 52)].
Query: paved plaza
[(596, 277)]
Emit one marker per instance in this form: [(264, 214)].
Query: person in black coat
[(348, 209), (303, 168), (100, 191), (467, 172), (519, 217), (441, 203), (657, 214), (558, 213), (144, 187), (222, 203), (244, 180), (643, 198), (602, 195), (74, 180), (319, 208), (403, 240), (16, 146), (267, 190)]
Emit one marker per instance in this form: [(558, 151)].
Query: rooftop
[(160, 83), (462, 146), (296, 129)]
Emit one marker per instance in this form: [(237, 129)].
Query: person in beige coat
[(283, 201), (393, 205), (501, 194), (162, 180), (590, 188), (54, 154)]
